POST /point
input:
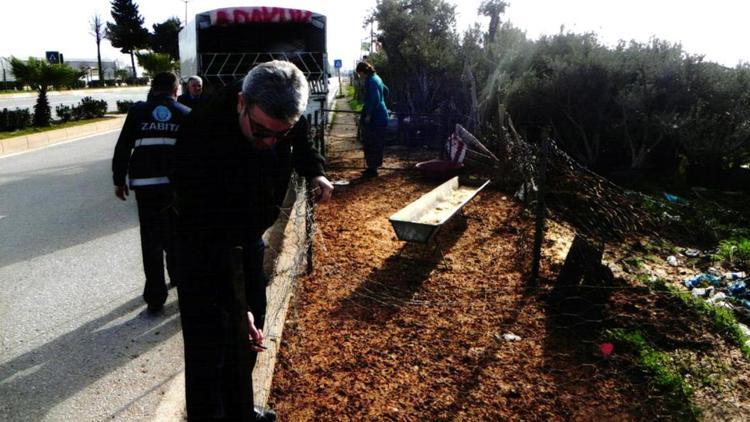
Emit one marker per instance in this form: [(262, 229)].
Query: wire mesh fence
[(609, 304), (612, 291)]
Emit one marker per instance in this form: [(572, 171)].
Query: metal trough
[(421, 220)]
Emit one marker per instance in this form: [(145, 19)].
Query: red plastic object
[(439, 169)]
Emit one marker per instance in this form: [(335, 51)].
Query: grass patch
[(54, 126), (722, 319), (735, 252), (634, 262), (664, 372), (354, 103)]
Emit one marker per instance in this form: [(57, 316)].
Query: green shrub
[(124, 106), (64, 113), (17, 119), (137, 81), (735, 252), (89, 108)]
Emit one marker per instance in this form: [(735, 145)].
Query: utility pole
[(186, 15)]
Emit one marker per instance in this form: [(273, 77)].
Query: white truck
[(222, 45)]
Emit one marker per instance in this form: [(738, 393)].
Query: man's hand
[(256, 335), (322, 188), (121, 192)]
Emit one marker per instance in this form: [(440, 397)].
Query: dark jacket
[(225, 187), (150, 133), (188, 100)]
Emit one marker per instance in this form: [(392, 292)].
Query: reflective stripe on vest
[(144, 142), (149, 181)]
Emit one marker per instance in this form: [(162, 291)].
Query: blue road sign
[(337, 64), (53, 56)]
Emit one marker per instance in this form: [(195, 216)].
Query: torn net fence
[(603, 327), (289, 246), (674, 342), (289, 242)]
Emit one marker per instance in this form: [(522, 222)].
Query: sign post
[(337, 65)]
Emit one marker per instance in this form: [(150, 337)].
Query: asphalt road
[(74, 97), (76, 343)]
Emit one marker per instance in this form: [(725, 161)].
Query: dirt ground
[(383, 330)]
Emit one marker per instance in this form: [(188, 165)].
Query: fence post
[(323, 125), (316, 128), (540, 209), (309, 224)]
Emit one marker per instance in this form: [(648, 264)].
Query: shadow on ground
[(34, 383), (386, 289)]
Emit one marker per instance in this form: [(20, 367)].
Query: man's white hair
[(279, 88)]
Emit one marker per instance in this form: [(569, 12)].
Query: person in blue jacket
[(374, 118)]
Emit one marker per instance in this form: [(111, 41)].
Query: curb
[(39, 140)]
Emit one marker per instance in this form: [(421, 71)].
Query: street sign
[(53, 57), (337, 64)]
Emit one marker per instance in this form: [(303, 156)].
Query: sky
[(717, 29)]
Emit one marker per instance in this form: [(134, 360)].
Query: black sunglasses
[(262, 132)]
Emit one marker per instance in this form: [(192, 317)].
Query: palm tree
[(40, 76), (156, 62), (97, 31)]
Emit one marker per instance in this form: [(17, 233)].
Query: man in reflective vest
[(144, 153)]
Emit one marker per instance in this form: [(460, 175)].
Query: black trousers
[(157, 238), (373, 141), (218, 360)]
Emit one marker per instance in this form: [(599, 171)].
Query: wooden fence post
[(540, 210)]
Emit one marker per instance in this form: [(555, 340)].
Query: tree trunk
[(494, 22), (132, 63), (99, 61)]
